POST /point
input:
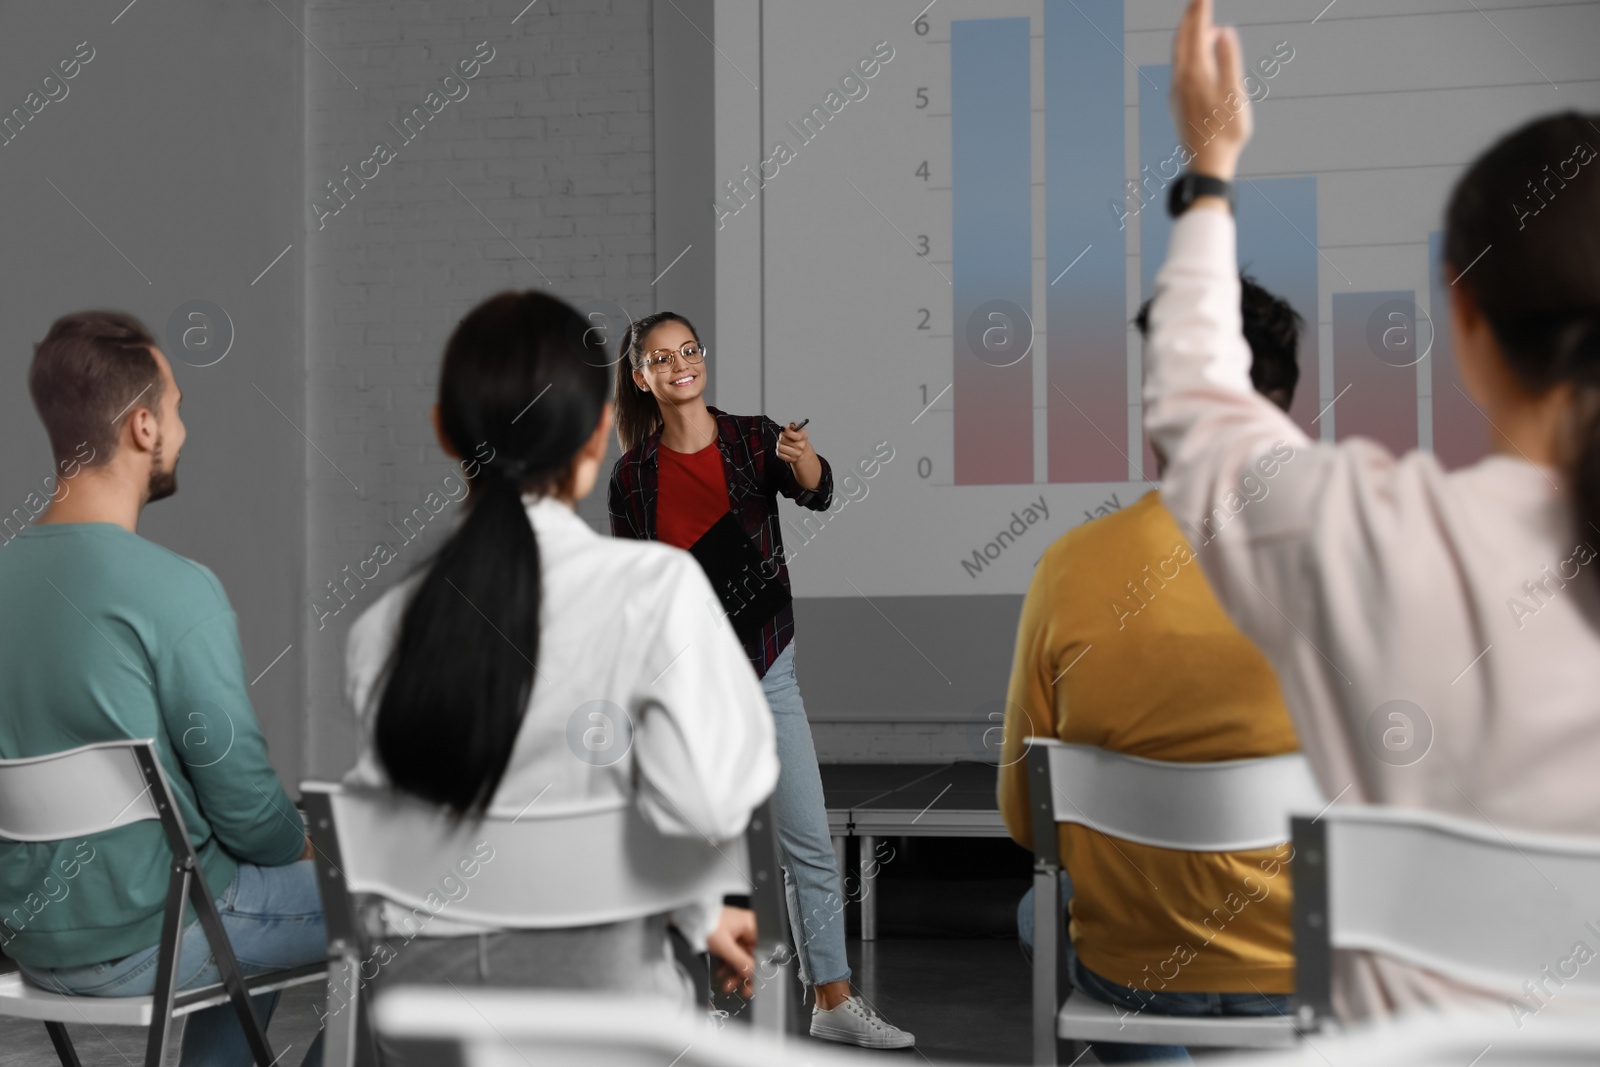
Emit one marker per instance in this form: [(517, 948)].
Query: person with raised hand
[(1369, 578)]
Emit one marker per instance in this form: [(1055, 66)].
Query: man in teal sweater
[(106, 636)]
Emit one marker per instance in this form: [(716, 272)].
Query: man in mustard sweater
[(1122, 645), (109, 636)]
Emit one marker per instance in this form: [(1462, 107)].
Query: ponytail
[(463, 667), (452, 707), (1582, 346), (1563, 348)]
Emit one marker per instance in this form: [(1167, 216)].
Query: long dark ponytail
[(1526, 218), (518, 380), (638, 414)]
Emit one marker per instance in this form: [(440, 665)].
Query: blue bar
[(1460, 428), (1375, 367), (1087, 338), (1159, 165), (1278, 248), (992, 230)]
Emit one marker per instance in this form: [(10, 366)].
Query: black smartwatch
[(1190, 186)]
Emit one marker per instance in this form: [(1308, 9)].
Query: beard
[(163, 483)]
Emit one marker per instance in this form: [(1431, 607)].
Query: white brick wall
[(553, 145)]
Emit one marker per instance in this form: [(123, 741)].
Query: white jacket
[(624, 630)]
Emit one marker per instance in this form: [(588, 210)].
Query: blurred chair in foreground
[(380, 851)]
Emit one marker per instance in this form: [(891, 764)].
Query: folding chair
[(548, 870), (1442, 1038), (99, 787), (1490, 908), (1225, 806), (779, 1011)]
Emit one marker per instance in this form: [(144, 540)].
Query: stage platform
[(873, 800)]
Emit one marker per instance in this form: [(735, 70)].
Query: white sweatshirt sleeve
[(704, 743), (1228, 448), (1312, 548)]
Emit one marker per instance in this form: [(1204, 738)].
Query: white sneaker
[(853, 1023)]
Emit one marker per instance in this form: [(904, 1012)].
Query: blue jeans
[(1137, 1000), (273, 918), (810, 869)]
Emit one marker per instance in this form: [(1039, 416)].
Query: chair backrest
[(1225, 806), (539, 870), (517, 1028), (1492, 909), (1439, 1038), (80, 791)]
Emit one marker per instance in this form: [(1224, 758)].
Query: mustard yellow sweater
[(1123, 645)]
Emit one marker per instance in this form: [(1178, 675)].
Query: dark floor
[(965, 999)]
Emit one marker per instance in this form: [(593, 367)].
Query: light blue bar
[(992, 230), (1278, 247), (1159, 166), (1085, 241)]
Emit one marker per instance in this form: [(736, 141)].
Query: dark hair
[(1272, 330), (1531, 236), (518, 392), (638, 414), (86, 375)]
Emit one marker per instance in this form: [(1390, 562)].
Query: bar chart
[(1002, 182), (1087, 365)]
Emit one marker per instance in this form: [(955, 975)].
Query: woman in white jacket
[(532, 660), (1369, 578)]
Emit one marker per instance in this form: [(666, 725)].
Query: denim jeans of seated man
[(1132, 999), (273, 919)]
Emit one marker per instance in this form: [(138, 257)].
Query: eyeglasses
[(661, 357)]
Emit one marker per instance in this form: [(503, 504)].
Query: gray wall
[(178, 147), (197, 140), (905, 679), (685, 151), (550, 156)]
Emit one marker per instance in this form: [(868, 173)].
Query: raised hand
[(1209, 102)]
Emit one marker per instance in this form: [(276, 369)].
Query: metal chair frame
[(1278, 783), (1443, 871), (186, 884)]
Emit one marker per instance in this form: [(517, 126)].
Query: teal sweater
[(104, 635)]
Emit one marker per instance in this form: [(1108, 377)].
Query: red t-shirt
[(691, 494)]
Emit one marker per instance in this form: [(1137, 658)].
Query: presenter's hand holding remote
[(794, 448), (1209, 101)]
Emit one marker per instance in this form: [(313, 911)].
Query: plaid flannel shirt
[(755, 475)]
